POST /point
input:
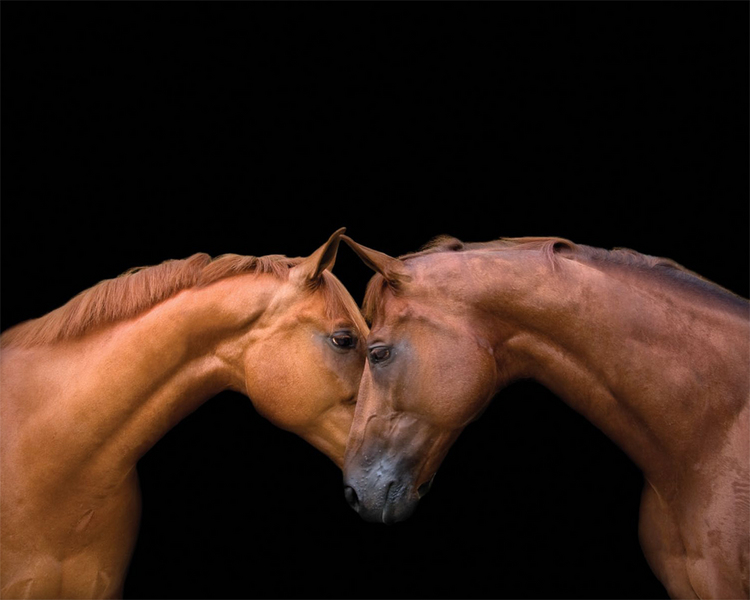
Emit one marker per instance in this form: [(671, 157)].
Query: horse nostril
[(424, 488), (351, 497)]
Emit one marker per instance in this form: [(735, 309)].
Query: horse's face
[(304, 362), (426, 379), (428, 376)]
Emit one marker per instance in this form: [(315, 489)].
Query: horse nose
[(424, 488), (351, 497)]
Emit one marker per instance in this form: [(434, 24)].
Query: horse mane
[(137, 290), (550, 246), (553, 248)]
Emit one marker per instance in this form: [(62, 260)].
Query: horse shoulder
[(65, 527), (714, 515)]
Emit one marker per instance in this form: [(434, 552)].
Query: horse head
[(427, 376)]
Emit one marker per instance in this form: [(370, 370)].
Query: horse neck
[(646, 364), (118, 390)]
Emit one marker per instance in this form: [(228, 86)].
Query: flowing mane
[(141, 288), (554, 248)]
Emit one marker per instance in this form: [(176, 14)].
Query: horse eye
[(343, 340), (379, 354)]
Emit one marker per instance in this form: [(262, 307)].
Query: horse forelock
[(137, 290), (339, 302), (374, 296)]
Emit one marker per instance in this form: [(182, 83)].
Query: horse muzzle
[(383, 498), (391, 504), (390, 464)]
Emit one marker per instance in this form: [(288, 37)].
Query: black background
[(134, 133)]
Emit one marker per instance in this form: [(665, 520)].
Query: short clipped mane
[(664, 268), (447, 243), (137, 290)]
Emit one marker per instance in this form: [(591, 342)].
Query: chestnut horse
[(90, 387), (650, 353)]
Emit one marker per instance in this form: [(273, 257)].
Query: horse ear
[(392, 269), (312, 267)]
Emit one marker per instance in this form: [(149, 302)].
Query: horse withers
[(652, 354), (90, 387)]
